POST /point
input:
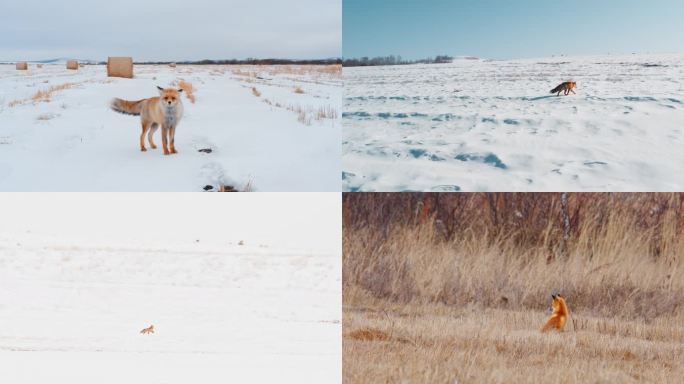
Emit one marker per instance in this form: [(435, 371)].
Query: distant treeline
[(248, 61), (393, 60)]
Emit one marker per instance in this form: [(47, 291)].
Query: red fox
[(559, 316), (148, 330), (165, 110), (565, 87)]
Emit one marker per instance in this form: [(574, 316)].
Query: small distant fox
[(559, 316), (565, 87), (165, 110), (148, 330)]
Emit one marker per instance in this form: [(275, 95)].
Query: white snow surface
[(72, 305), (484, 125), (74, 142)]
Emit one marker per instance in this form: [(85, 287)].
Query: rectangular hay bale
[(120, 67), (72, 64), (22, 66)]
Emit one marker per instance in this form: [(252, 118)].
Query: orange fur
[(559, 316), (148, 330), (565, 87), (165, 110)]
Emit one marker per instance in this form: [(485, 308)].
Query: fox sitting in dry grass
[(148, 330), (565, 87), (559, 316), (165, 110)]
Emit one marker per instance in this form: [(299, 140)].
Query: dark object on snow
[(205, 150), (208, 188)]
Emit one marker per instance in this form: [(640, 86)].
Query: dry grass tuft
[(188, 89), (43, 95), (46, 95), (256, 92), (467, 278), (46, 116), (298, 90), (369, 334)]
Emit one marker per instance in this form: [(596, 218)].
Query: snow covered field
[(74, 296), (282, 136), (481, 125)]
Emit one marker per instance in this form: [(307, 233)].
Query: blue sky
[(502, 29), (169, 29)]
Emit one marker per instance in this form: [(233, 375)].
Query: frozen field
[(270, 128), (479, 125), (74, 294), (73, 314)]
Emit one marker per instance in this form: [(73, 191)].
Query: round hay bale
[(120, 67), (22, 66), (72, 64)]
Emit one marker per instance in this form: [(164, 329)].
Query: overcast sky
[(170, 29)]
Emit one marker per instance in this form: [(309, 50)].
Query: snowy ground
[(478, 125), (72, 304), (277, 141)]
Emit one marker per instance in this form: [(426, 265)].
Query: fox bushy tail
[(558, 88), (126, 107)]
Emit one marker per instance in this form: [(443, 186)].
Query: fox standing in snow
[(559, 316), (165, 110), (565, 87), (148, 330)]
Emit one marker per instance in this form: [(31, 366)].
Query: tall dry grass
[(623, 254), (469, 276)]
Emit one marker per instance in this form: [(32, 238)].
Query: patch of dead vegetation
[(369, 334), (188, 89), (43, 95), (307, 114), (256, 92)]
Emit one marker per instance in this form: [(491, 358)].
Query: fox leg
[(150, 135), (145, 127), (165, 140), (172, 136), (572, 91)]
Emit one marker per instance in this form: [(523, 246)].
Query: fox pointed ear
[(160, 88)]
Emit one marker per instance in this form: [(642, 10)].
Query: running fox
[(565, 87), (559, 316), (148, 330), (165, 110)]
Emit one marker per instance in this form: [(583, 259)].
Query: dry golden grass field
[(453, 288)]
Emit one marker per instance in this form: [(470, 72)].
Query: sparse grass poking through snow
[(188, 89), (43, 95), (256, 92), (46, 116), (298, 90)]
